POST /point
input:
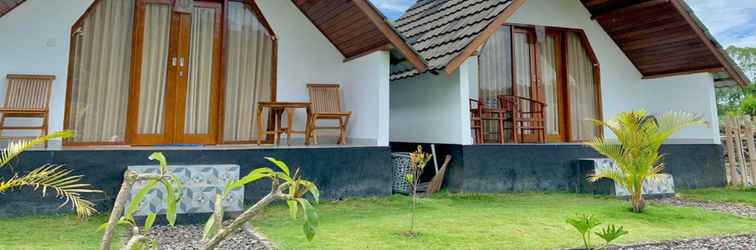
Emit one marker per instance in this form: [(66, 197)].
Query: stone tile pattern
[(664, 185), (201, 184)]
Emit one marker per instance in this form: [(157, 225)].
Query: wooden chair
[(486, 117), (527, 115), (26, 96), (476, 122), (326, 105)]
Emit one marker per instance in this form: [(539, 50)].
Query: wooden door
[(553, 81), (175, 73)]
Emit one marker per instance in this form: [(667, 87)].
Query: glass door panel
[(551, 70), (199, 84), (174, 97), (149, 124)]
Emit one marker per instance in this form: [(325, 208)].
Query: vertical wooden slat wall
[(740, 145)]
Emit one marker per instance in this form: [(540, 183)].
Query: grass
[(471, 221), (51, 232), (522, 221), (730, 194)]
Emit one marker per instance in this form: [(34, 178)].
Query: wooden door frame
[(213, 123)]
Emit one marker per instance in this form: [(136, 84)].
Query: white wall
[(35, 40), (621, 84), (426, 108)]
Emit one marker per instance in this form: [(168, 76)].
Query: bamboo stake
[(729, 140)]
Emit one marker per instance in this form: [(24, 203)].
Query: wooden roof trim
[(630, 8), (729, 66), (388, 31), (455, 63), (686, 72), (12, 8)]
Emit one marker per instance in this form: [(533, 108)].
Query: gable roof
[(8, 5), (356, 28), (442, 30), (661, 37)]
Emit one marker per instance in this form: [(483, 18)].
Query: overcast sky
[(733, 22)]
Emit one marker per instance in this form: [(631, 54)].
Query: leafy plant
[(284, 186), (637, 154), (418, 161), (585, 224), (138, 240), (48, 177)]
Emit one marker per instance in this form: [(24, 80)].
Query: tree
[(637, 154)]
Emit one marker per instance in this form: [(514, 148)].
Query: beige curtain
[(495, 75), (582, 90), (522, 64), (249, 56), (496, 67), (201, 65), (548, 72), (157, 21), (100, 77)]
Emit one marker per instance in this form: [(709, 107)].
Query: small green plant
[(418, 161), (48, 176), (585, 224), (138, 238), (637, 154), (284, 186)]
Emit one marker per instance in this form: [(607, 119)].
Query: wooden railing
[(740, 158)]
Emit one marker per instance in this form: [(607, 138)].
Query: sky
[(733, 22)]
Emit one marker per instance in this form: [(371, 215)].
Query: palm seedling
[(636, 154), (48, 177)]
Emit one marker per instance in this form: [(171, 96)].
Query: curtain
[(199, 87), (523, 78), (157, 24), (496, 67), (249, 57), (495, 76), (100, 76), (582, 90), (550, 84)]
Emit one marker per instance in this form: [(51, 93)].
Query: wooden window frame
[(537, 90), (221, 85)]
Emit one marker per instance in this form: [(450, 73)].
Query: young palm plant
[(637, 156), (48, 177)]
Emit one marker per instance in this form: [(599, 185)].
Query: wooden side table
[(277, 109)]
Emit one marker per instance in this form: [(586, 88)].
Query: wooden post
[(751, 150), (729, 141)]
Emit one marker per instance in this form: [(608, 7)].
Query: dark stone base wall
[(363, 171), (338, 172), (545, 167)]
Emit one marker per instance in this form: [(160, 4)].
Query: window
[(168, 81), (99, 76), (552, 65)]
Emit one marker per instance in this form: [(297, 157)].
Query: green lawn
[(523, 221), (53, 232), (746, 196)]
